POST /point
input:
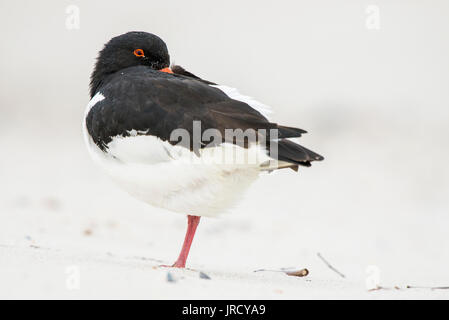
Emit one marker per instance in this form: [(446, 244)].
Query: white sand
[(61, 217)]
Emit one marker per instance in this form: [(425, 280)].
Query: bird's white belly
[(174, 178), (188, 189)]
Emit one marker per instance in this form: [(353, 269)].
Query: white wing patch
[(236, 95), (96, 98)]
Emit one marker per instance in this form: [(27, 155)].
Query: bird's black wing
[(156, 103)]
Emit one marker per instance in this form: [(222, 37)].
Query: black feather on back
[(181, 71)]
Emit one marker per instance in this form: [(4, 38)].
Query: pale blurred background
[(373, 94)]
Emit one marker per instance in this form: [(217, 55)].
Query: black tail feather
[(294, 153), (290, 132)]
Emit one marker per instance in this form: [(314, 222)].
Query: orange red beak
[(168, 70)]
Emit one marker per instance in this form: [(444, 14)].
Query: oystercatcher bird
[(177, 141)]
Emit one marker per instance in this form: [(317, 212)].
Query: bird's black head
[(128, 50)]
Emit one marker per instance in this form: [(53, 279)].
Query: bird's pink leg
[(192, 223)]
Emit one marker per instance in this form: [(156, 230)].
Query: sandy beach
[(375, 104)]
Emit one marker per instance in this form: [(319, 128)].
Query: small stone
[(204, 276), (170, 277)]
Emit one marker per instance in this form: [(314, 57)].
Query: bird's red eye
[(139, 53)]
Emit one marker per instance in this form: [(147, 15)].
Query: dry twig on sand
[(379, 288), (330, 266), (431, 288)]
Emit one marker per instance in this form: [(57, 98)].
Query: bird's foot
[(177, 264)]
